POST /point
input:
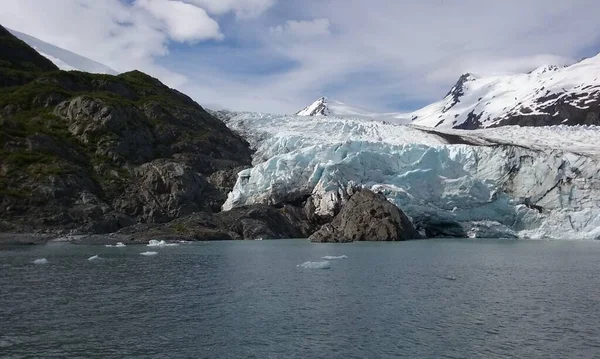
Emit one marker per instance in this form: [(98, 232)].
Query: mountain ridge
[(547, 95), (62, 58)]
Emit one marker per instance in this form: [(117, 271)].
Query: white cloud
[(183, 21), (376, 54), (302, 29), (242, 8)]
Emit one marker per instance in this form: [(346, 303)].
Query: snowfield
[(537, 183), (64, 59), (493, 99)]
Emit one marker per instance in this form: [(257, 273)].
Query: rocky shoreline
[(366, 216)]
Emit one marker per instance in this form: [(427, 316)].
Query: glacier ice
[(509, 182)]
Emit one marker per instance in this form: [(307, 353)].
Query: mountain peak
[(317, 108), (544, 68)]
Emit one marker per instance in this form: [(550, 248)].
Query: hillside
[(95, 153)]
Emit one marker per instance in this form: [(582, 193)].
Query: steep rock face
[(162, 190), (98, 152), (367, 216)]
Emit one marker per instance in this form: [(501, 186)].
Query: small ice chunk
[(108, 245), (94, 258), (120, 245), (161, 243), (335, 257), (148, 254), (316, 265), (40, 261)]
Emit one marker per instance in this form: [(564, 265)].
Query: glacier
[(509, 182)]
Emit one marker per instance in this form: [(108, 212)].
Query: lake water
[(424, 299)]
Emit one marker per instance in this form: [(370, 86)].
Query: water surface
[(427, 299)]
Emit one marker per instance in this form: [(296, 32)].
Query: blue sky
[(280, 55)]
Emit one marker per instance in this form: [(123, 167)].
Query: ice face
[(530, 187)]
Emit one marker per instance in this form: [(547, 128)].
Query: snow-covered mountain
[(549, 95), (502, 182), (64, 59)]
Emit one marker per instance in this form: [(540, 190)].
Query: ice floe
[(335, 257), (148, 254), (316, 265), (161, 243)]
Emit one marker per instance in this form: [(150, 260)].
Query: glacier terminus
[(506, 182)]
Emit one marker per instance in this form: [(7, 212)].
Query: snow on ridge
[(489, 101), (502, 182), (63, 59)]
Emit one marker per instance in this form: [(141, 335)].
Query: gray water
[(425, 299)]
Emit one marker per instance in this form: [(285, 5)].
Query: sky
[(278, 56)]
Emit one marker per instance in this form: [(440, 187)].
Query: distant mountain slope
[(548, 95), (64, 59)]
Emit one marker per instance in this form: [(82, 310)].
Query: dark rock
[(163, 190), (250, 222), (367, 216)]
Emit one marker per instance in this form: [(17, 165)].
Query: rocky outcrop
[(250, 222), (367, 216)]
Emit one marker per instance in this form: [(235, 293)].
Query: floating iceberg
[(40, 261), (335, 257), (503, 183), (148, 254), (161, 243), (316, 265)]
